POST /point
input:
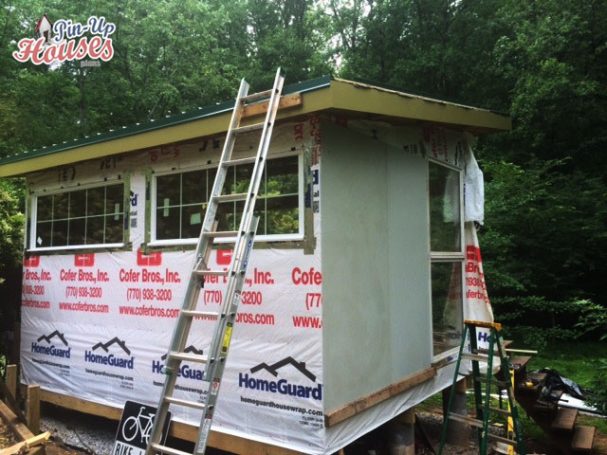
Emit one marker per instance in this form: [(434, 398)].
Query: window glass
[(445, 222), (180, 200), (446, 305), (81, 217)]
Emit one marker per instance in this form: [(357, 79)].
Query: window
[(446, 253), (180, 201), (92, 216)]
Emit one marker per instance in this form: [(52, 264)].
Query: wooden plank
[(11, 380), (583, 438), (521, 361), (357, 406), (179, 430), (19, 428), (287, 101), (565, 419), (28, 443), (32, 408)]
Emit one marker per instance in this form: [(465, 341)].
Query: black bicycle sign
[(134, 429)]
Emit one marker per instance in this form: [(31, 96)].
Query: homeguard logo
[(52, 350), (110, 359), (282, 386), (185, 370)]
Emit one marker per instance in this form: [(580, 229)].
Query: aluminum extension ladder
[(215, 360), (484, 411)]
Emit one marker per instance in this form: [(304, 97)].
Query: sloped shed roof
[(323, 94)]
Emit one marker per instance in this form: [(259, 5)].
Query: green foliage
[(544, 62), (598, 391), (11, 227)]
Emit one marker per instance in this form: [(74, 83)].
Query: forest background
[(542, 61)]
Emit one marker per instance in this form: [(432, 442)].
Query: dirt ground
[(377, 442)]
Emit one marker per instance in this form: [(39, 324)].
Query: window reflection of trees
[(81, 217), (181, 198)]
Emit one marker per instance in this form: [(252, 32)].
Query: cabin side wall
[(376, 311)]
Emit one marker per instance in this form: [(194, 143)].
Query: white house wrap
[(358, 281)]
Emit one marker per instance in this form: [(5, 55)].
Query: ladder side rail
[(216, 368), (476, 374), (262, 150), (227, 306), (204, 240), (183, 325), (248, 210), (514, 410), (444, 430), (485, 434)]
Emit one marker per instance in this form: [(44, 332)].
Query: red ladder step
[(583, 438)]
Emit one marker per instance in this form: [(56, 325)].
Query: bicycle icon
[(139, 425)]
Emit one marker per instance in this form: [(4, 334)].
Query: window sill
[(52, 249), (228, 240)]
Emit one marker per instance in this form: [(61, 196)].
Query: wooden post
[(402, 434), (458, 432), (32, 408), (11, 380)]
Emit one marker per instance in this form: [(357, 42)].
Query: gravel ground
[(93, 435)]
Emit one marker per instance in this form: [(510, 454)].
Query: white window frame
[(34, 217), (295, 236), (446, 256)]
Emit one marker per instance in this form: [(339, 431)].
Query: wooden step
[(520, 361), (583, 438), (565, 419)]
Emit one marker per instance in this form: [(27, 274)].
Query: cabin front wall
[(392, 320), (375, 260), (97, 320)]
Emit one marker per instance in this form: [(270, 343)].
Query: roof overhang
[(323, 94)]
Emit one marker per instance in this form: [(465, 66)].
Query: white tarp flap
[(474, 187), (476, 300)]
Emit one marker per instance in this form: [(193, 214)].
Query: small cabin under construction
[(355, 295)]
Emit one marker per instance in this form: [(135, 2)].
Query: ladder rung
[(247, 128), (501, 384), (231, 197), (502, 439), (239, 161), (257, 96), (189, 357), (221, 234), (169, 450), (505, 412), (476, 357), (186, 403), (200, 314), (215, 272), (465, 419)]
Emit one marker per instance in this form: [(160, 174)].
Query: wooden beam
[(32, 408), (11, 380), (228, 443), (287, 101), (27, 444), (357, 406), (19, 428)]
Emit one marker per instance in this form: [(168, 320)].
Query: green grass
[(578, 361)]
